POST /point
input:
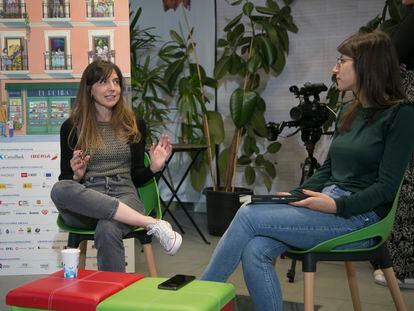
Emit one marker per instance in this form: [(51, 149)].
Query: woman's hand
[(160, 152), (317, 201), (78, 163)]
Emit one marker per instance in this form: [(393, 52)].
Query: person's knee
[(244, 213), (59, 191), (254, 253)]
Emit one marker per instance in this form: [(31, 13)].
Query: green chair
[(328, 251), (149, 195)]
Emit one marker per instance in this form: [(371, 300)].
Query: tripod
[(309, 137)]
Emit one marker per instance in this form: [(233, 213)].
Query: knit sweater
[(369, 160), (139, 173)]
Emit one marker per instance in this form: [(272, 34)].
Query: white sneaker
[(169, 239), (379, 278)]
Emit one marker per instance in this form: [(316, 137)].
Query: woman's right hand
[(78, 163)]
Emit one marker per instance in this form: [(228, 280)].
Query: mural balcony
[(108, 55), (57, 61), (12, 10), (100, 9), (15, 62), (56, 9)]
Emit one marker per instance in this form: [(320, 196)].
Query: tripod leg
[(291, 272)]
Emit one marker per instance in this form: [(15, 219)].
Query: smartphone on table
[(176, 282)]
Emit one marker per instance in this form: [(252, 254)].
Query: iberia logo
[(44, 156)]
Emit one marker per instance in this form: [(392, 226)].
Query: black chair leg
[(291, 272)]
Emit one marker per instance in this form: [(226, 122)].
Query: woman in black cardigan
[(102, 163)]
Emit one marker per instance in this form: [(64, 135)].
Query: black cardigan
[(139, 173)]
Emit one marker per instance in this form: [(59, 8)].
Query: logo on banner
[(6, 175), (11, 157), (44, 156), (25, 174), (23, 203), (27, 185), (48, 175)]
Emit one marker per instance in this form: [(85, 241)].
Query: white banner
[(30, 241)]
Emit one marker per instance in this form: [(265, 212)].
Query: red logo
[(23, 174), (45, 211), (44, 156)]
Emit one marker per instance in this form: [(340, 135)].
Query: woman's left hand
[(160, 152), (317, 201)]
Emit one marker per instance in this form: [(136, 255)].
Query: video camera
[(310, 114)]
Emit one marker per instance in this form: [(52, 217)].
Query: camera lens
[(296, 113)]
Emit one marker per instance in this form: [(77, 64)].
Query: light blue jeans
[(261, 232)]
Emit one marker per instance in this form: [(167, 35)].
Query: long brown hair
[(83, 116), (378, 78)]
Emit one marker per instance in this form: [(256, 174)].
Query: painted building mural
[(45, 45)]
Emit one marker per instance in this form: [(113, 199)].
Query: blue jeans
[(261, 232)]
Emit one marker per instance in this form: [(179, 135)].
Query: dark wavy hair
[(378, 78)]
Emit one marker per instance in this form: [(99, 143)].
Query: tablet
[(269, 198)]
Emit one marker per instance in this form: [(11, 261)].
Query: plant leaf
[(222, 67), (268, 50), (254, 63), (177, 38), (270, 169), (242, 106), (216, 125), (258, 122), (244, 160), (268, 182), (233, 22), (198, 177), (274, 147), (250, 175), (172, 73)]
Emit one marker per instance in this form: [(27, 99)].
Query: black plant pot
[(221, 208)]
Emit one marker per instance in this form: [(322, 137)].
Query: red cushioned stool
[(84, 293)]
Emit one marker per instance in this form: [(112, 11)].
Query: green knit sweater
[(369, 160)]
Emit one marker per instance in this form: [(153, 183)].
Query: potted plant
[(149, 90), (255, 45)]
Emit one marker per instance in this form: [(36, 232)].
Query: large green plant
[(187, 79), (255, 44), (149, 90)]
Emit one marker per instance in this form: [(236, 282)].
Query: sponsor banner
[(30, 241)]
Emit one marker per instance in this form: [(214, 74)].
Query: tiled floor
[(331, 286)]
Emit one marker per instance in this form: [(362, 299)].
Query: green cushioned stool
[(197, 295)]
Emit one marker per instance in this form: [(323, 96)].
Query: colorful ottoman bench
[(54, 292), (195, 296)]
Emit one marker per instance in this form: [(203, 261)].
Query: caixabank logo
[(11, 156)]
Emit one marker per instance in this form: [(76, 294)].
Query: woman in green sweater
[(354, 187)]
